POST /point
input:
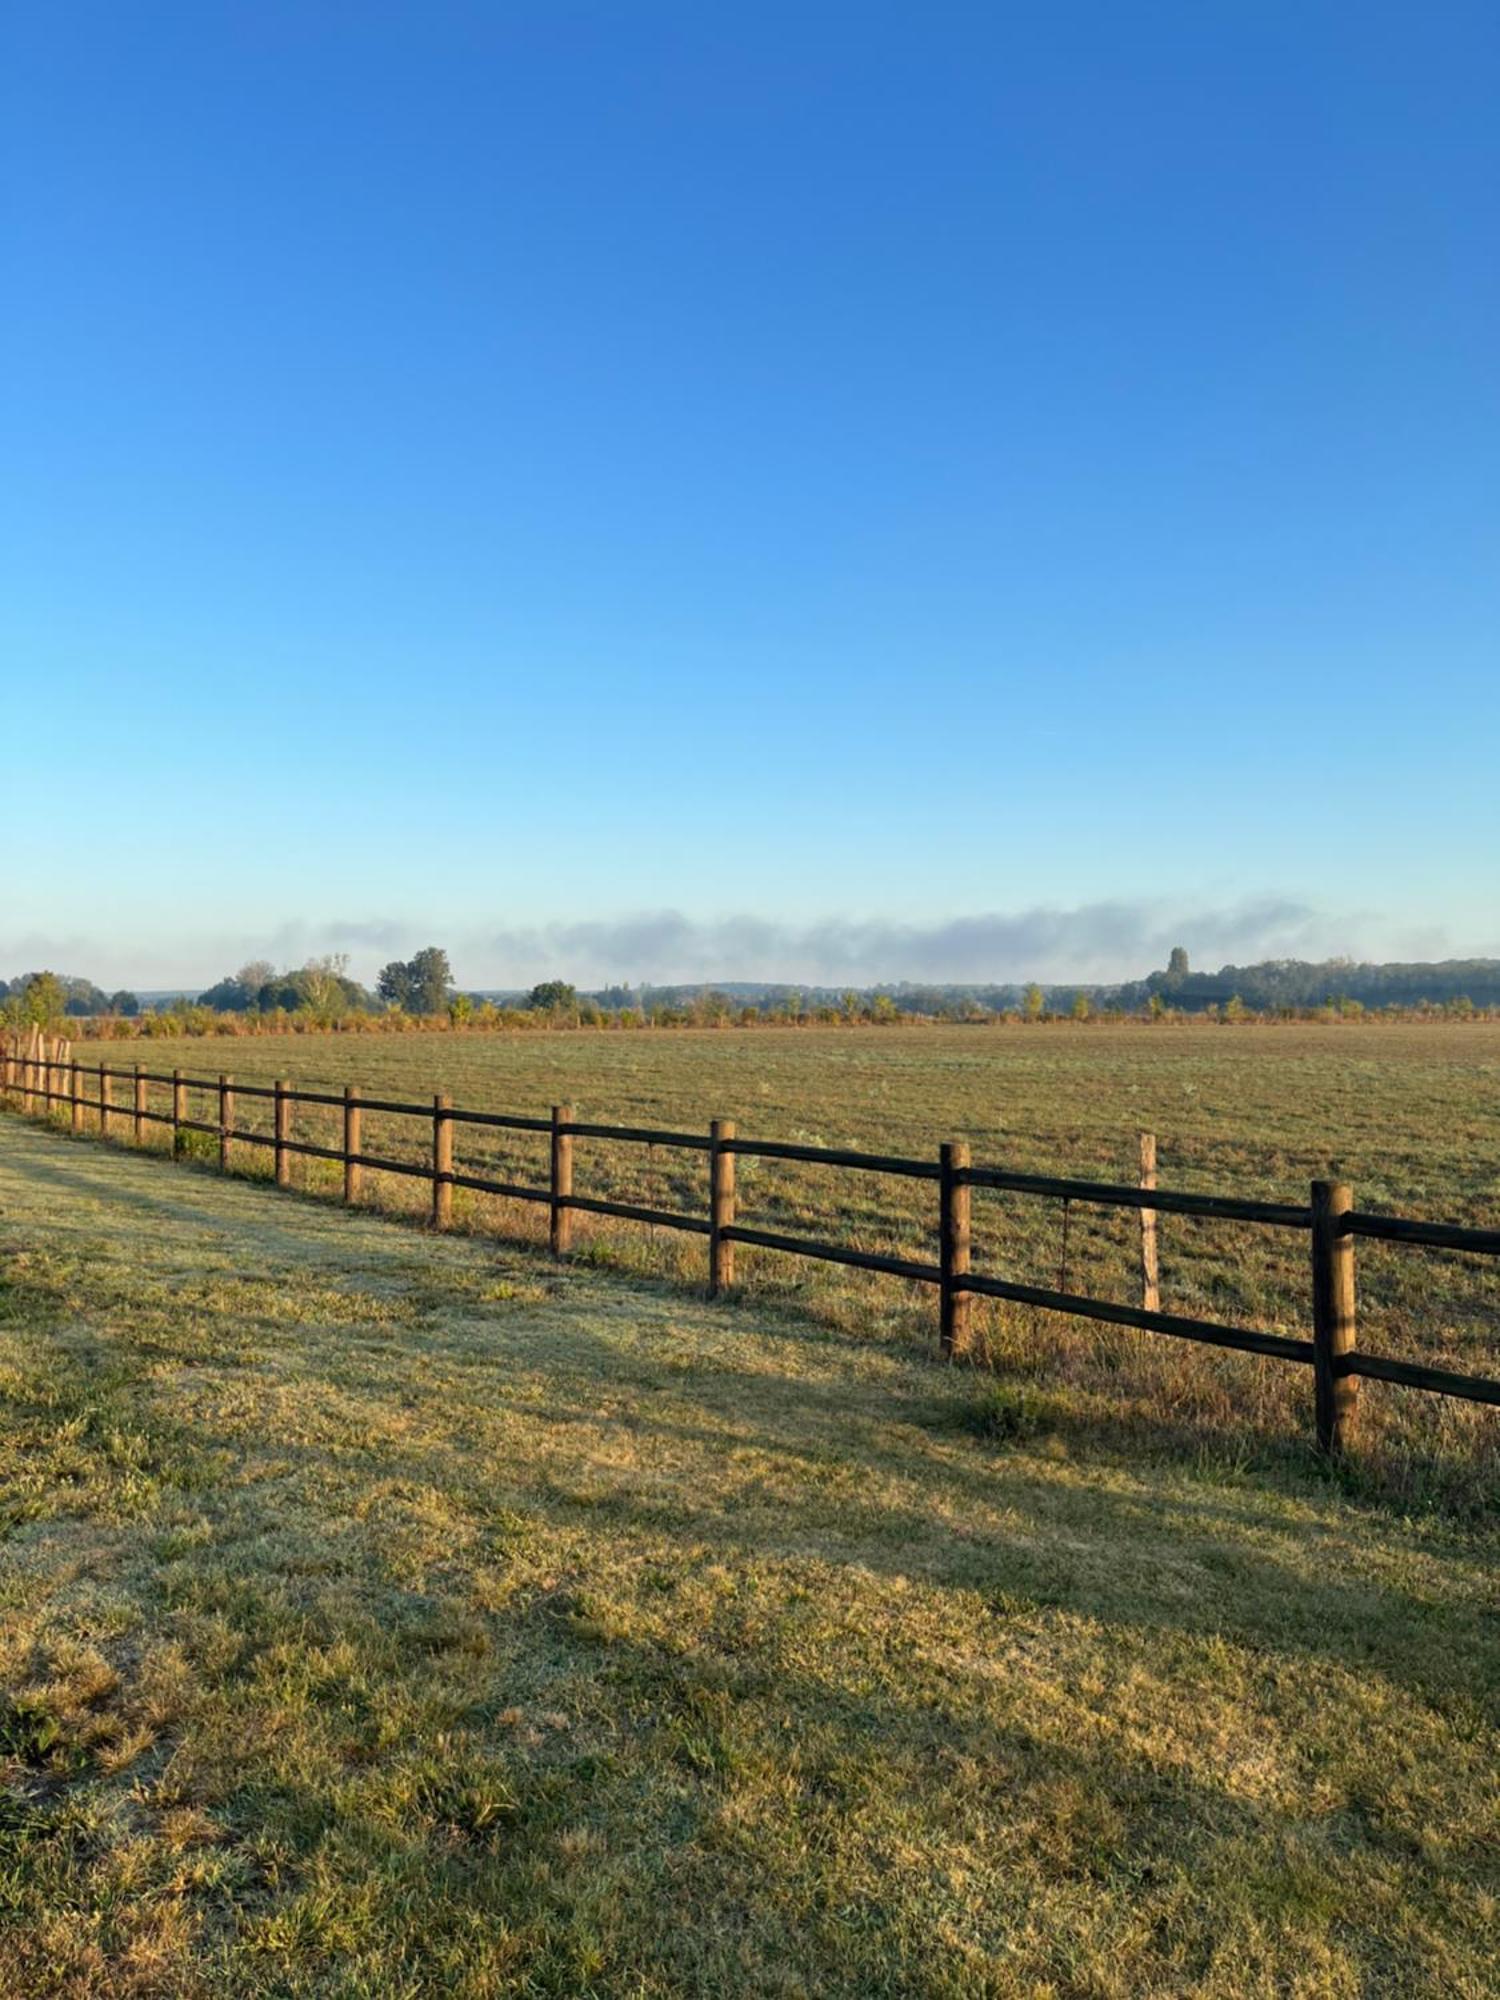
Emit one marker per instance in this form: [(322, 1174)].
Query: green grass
[(1408, 1114), (392, 1615)]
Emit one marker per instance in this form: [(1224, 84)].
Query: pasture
[(393, 1615), (1409, 1114)]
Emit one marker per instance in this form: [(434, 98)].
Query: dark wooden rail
[(35, 1073)]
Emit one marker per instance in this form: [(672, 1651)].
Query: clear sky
[(782, 490)]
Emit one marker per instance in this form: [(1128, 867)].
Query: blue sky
[(774, 490)]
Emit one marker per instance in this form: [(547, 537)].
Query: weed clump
[(1011, 1413)]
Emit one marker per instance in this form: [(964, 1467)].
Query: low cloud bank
[(1102, 941), (1097, 941)]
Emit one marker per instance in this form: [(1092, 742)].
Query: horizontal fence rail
[(41, 1074)]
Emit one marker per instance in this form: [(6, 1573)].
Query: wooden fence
[(40, 1074)]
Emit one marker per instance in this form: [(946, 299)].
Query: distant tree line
[(50, 996), (421, 990)]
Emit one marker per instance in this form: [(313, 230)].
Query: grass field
[(1410, 1115), (392, 1615)]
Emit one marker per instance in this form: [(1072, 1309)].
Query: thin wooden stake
[(562, 1179), (720, 1207), (75, 1099), (140, 1107), (226, 1120), (442, 1160), (954, 1246), (282, 1132), (105, 1082), (1336, 1393), (1150, 1269), (353, 1143), (179, 1113)]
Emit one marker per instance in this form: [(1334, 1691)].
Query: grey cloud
[(1094, 941), (1107, 940)]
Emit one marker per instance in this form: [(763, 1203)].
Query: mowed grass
[(393, 1615), (1410, 1115)]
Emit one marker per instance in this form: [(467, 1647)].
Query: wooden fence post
[(105, 1100), (26, 1090), (282, 1131), (353, 1143), (1150, 1268), (720, 1207), (442, 1160), (75, 1096), (1336, 1393), (140, 1107), (226, 1120), (562, 1179), (954, 1245), (179, 1112)]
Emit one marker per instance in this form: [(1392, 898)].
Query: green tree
[(322, 981), (1032, 1002), (553, 996), (393, 984), (431, 979), (43, 999), (1081, 1008), (418, 985)]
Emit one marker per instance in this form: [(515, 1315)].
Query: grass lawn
[(1408, 1114), (383, 1614)]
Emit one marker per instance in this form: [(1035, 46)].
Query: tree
[(432, 980), (82, 996), (1081, 1008), (552, 996), (418, 985), (1032, 1002), (1177, 966), (43, 998), (393, 984), (124, 1003), (324, 985)]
